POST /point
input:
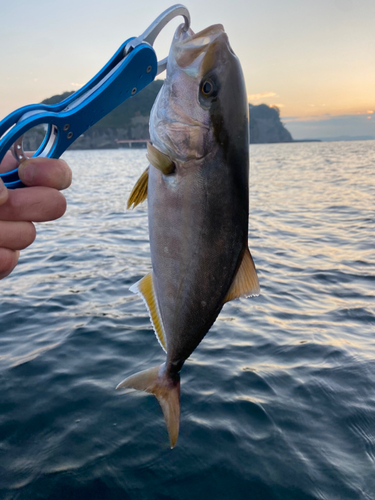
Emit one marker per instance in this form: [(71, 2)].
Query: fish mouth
[(193, 49), (202, 38)]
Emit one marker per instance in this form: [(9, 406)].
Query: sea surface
[(277, 402)]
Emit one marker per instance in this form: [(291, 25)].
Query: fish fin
[(145, 289), (139, 191), (167, 392), (159, 160), (246, 280)]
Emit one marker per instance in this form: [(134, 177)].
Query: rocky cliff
[(266, 126), (129, 121)]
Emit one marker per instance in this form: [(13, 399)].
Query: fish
[(197, 188)]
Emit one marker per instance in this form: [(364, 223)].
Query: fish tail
[(167, 391)]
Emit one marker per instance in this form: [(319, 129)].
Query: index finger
[(48, 172)]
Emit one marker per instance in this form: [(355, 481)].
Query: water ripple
[(277, 401)]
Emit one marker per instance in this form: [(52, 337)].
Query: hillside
[(127, 121), (130, 121)]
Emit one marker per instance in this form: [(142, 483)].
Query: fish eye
[(207, 88)]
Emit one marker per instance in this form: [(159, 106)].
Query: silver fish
[(198, 199)]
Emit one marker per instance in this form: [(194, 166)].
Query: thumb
[(3, 193)]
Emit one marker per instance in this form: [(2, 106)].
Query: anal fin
[(245, 282), (145, 289)]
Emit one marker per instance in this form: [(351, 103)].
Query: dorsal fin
[(139, 191), (246, 280), (145, 289), (159, 160)]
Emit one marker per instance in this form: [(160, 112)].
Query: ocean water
[(277, 402)]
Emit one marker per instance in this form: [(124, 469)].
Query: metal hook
[(132, 68), (150, 34)]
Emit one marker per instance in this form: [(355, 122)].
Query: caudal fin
[(167, 392)]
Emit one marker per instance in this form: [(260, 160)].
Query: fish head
[(202, 105)]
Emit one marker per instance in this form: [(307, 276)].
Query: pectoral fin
[(159, 160), (145, 289), (139, 191), (246, 280)]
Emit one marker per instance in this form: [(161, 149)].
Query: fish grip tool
[(131, 69)]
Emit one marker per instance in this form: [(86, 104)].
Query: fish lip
[(188, 46), (211, 31)]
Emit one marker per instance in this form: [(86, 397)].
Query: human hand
[(41, 201)]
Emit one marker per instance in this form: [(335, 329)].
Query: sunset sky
[(314, 60)]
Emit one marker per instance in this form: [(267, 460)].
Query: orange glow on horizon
[(313, 112)]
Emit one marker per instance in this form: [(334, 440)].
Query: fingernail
[(27, 172), (3, 193)]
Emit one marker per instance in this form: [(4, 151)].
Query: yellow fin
[(246, 280), (159, 160), (145, 289), (139, 191)]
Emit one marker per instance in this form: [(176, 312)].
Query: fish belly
[(196, 237)]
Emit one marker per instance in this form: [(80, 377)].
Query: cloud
[(76, 84), (263, 95)]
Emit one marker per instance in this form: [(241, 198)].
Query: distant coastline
[(339, 138), (127, 125), (348, 138), (307, 140)]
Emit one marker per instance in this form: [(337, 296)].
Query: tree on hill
[(121, 117), (129, 121)]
